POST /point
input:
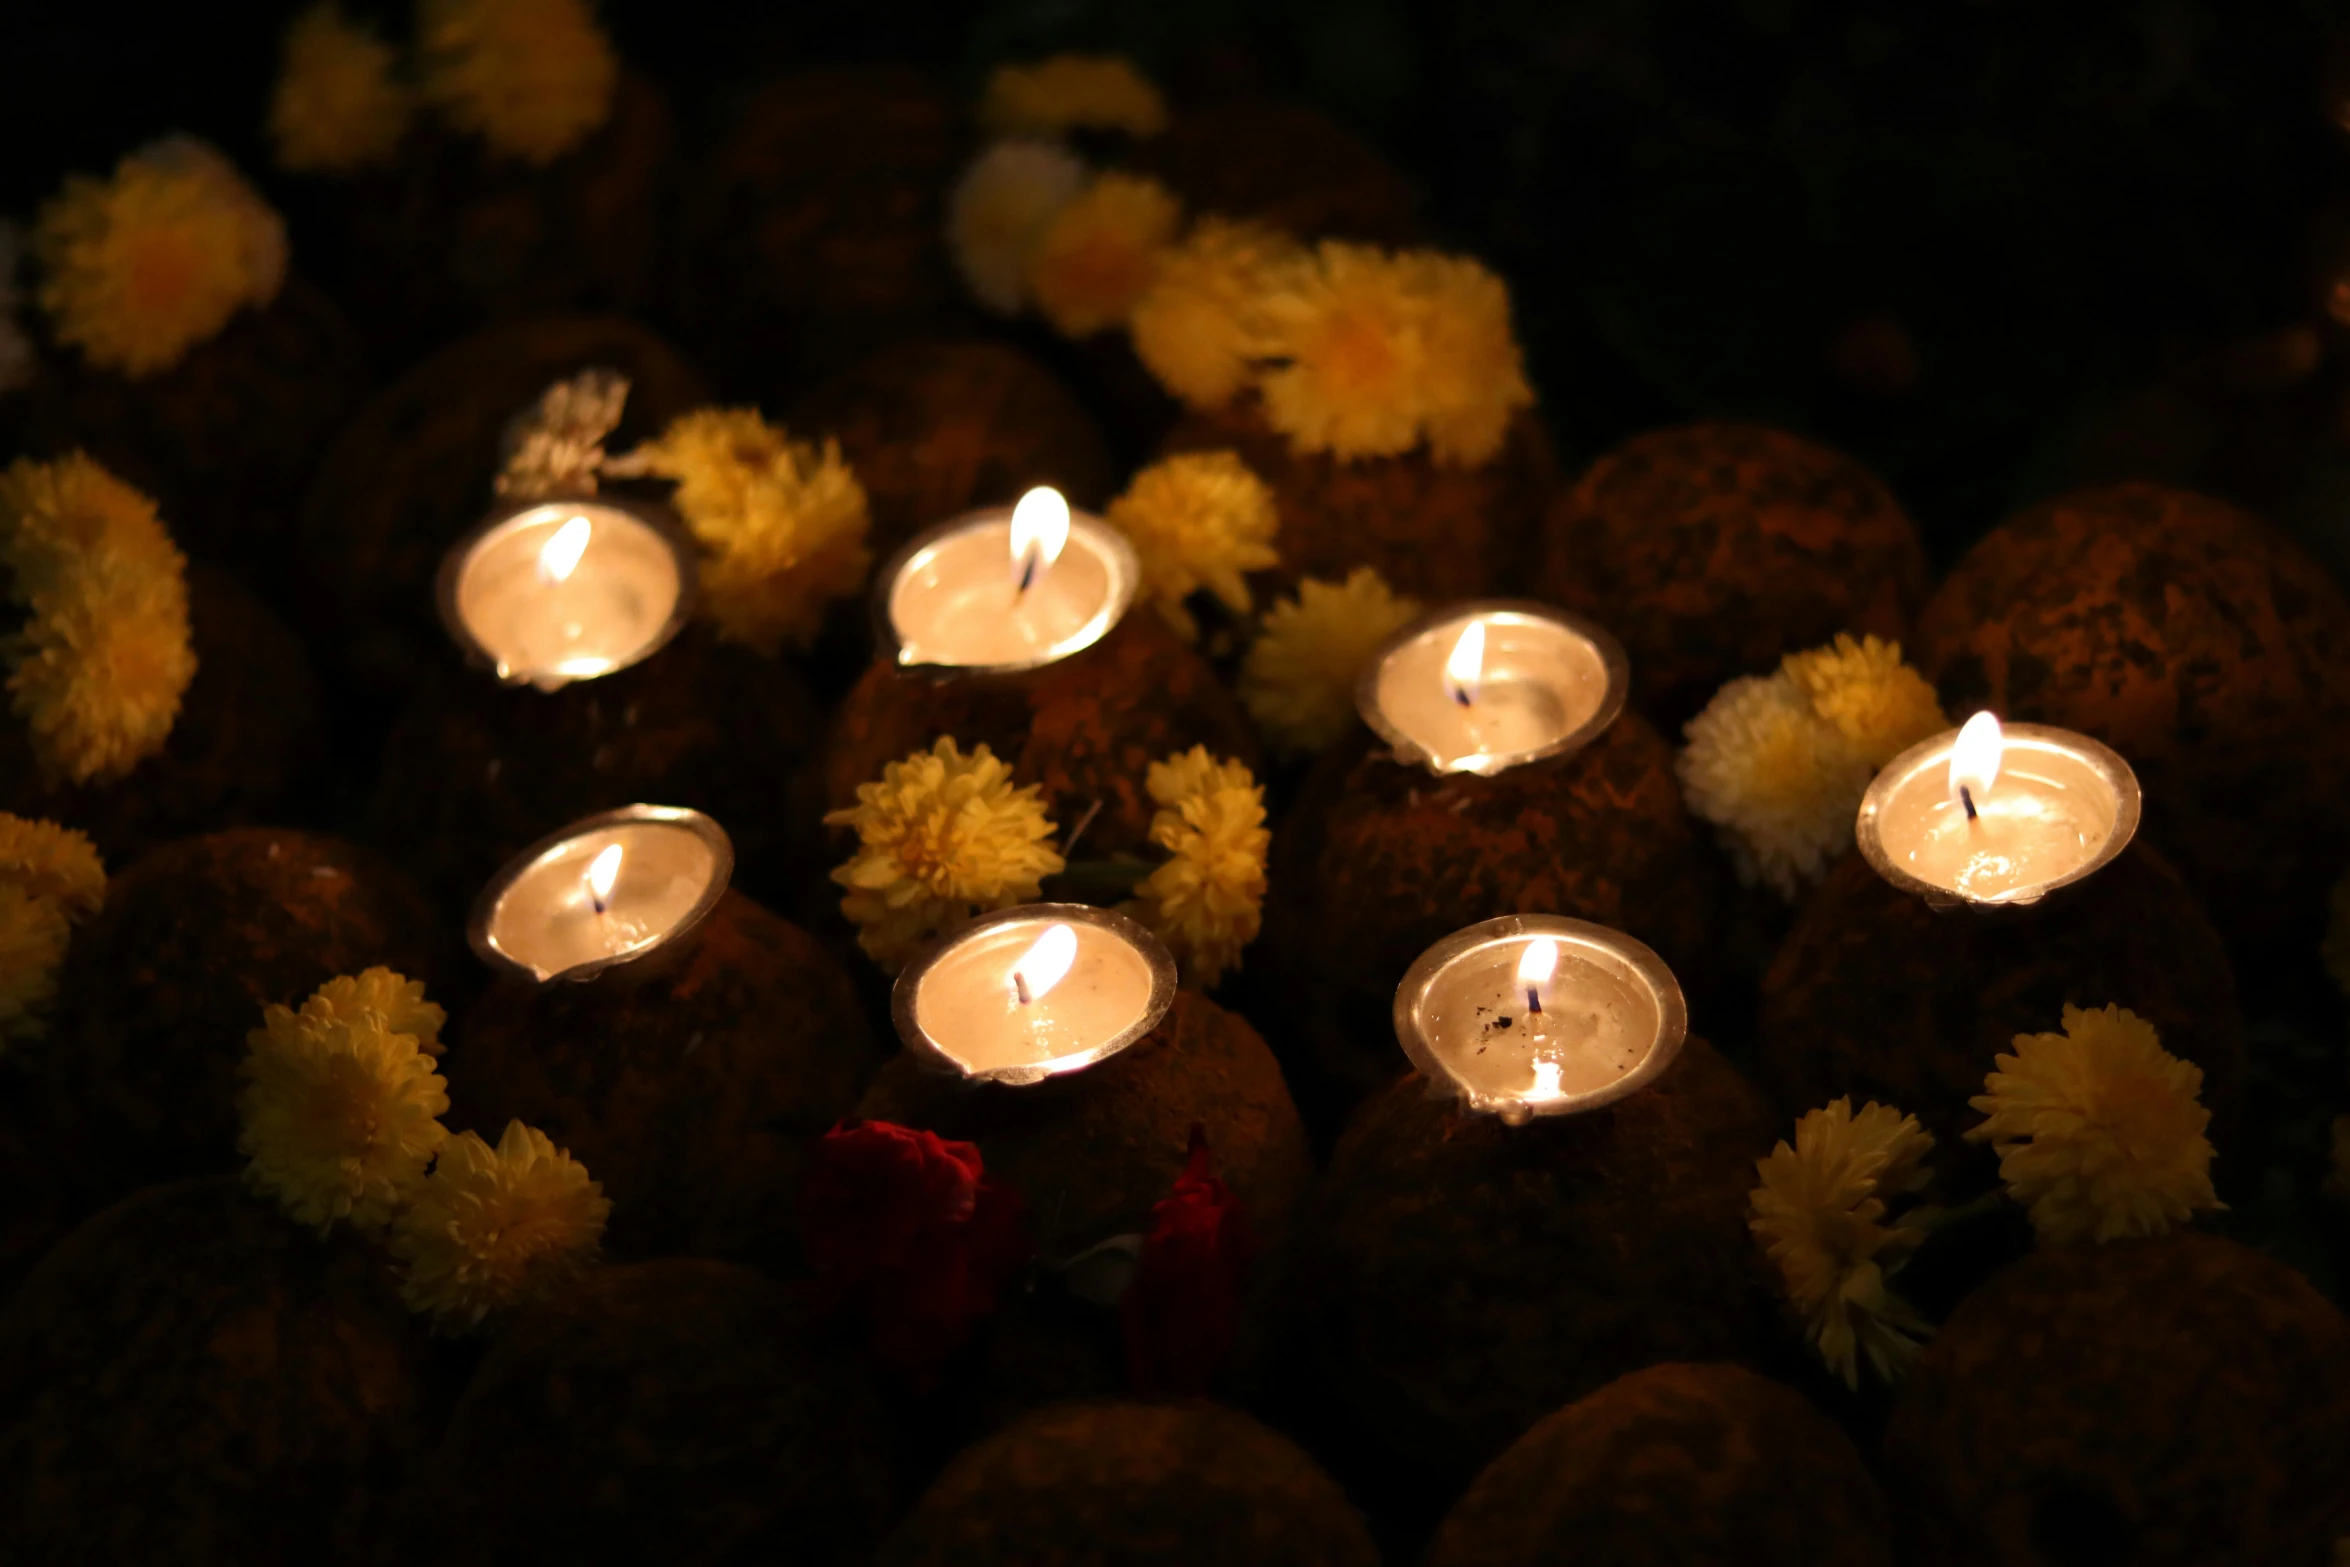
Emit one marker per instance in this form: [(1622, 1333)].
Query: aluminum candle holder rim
[(934, 1055), (1615, 670), (485, 903), (1125, 572), (1628, 954), (506, 514), (1868, 829)]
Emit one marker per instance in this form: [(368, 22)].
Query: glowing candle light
[(1534, 971), (1974, 762), (1465, 666), (1006, 588), (546, 593), (602, 873), (1045, 965), (610, 889), (1039, 532), (561, 556), (1481, 688)]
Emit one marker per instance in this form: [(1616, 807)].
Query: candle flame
[(1535, 966), (1974, 761), (1044, 965), (1465, 666), (560, 558), (1546, 1081), (602, 873), (1040, 530)]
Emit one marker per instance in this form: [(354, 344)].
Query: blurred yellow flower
[(999, 213), (495, 1228), (1351, 337), (1198, 520), (1202, 324), (533, 78), (1474, 375), (1878, 704), (339, 103), (339, 1115), (50, 879), (1073, 92), (1298, 680), (1100, 253), (1207, 901)]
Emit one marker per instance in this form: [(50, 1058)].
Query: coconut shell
[(692, 1092), (414, 470), (473, 771), (1686, 1465), (1715, 549), (2179, 1400), (1433, 531), (817, 230), (192, 1379), (1463, 1278), (1285, 165), (936, 429), (1876, 996), (1378, 861), (1086, 728), (1090, 1152), (1133, 1485), (225, 439), (676, 1412), (453, 235), (2202, 645), (161, 988), (242, 749)]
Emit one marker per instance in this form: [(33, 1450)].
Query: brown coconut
[(413, 472), (1378, 861), (161, 989), (691, 1084), (817, 229), (935, 429), (1714, 549), (190, 1378), (1876, 996), (225, 439), (677, 1412), (2177, 1400), (1285, 165), (1434, 531), (1133, 1485), (1086, 728), (2202, 645), (243, 748), (452, 234), (1462, 1278), (1686, 1465)]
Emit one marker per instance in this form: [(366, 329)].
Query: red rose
[(1182, 1313)]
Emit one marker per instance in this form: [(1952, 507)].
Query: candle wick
[(1027, 572), (1020, 984), (1460, 694), (1534, 1000), (1966, 797), (597, 899)]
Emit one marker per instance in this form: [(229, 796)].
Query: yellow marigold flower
[(941, 837), (1196, 521), (1207, 902), (138, 269), (1072, 92), (1879, 704), (1352, 334), (1820, 1214), (2099, 1130), (781, 522), (340, 1116), (1100, 253), (1777, 779), (1000, 211), (1202, 325), (495, 1228), (1474, 377), (339, 103), (1298, 680), (2337, 942), (533, 78), (53, 863), (34, 935), (380, 992), (99, 667)]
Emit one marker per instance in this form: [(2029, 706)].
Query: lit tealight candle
[(1008, 588), (1034, 992), (550, 592), (1484, 687), (1984, 815), (607, 890), (1534, 1014)]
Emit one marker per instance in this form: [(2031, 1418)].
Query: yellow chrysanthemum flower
[(1101, 252), (1878, 704), (340, 1116), (1298, 680), (339, 104), (34, 934), (1820, 1213), (1775, 777), (2099, 1130), (380, 992), (2337, 940), (1474, 377), (1073, 92), (533, 78), (1199, 520), (941, 838), (495, 1228), (1000, 211), (1202, 325), (1351, 332), (98, 668), (54, 863), (138, 269), (1207, 902), (781, 522)]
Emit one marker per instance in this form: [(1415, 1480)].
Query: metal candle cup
[(546, 592), (567, 908), (962, 598), (1542, 683)]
